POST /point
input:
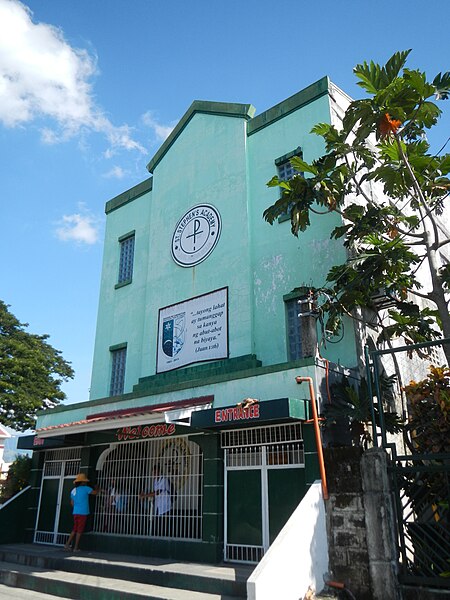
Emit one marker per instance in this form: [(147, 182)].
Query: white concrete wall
[(298, 558)]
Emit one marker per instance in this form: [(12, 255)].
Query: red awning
[(165, 412)]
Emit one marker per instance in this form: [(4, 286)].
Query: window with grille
[(294, 329), (118, 361), (285, 172), (151, 488), (126, 259)]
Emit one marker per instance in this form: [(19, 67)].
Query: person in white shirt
[(162, 502)]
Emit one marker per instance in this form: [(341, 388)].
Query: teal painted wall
[(280, 261), (205, 165), (263, 385), (215, 173), (121, 314), (214, 161)]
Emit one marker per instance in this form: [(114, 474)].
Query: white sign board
[(193, 331)]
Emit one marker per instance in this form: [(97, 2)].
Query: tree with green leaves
[(17, 479), (391, 191), (31, 373)]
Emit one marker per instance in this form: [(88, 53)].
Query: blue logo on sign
[(174, 331)]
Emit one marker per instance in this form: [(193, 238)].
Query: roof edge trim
[(223, 109), (135, 192), (282, 109)]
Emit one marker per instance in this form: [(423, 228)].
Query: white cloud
[(161, 131), (80, 228), (43, 76), (115, 173)]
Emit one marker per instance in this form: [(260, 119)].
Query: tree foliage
[(393, 234), (429, 412), (31, 373), (351, 406), (17, 478)]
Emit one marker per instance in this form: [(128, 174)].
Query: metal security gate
[(54, 521), (420, 481), (151, 488), (264, 483), (422, 493)]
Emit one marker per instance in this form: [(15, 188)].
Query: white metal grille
[(260, 448), (53, 469), (139, 501), (59, 465), (44, 537), (289, 454), (63, 454), (243, 457), (245, 554), (258, 436)]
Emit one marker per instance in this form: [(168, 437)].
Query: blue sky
[(89, 89)]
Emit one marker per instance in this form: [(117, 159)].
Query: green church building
[(204, 323)]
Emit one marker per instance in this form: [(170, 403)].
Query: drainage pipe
[(337, 585), (323, 475)]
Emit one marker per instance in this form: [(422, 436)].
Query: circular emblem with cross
[(196, 235)]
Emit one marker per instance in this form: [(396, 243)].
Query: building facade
[(196, 430)]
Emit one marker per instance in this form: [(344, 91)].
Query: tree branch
[(443, 243), (416, 293)]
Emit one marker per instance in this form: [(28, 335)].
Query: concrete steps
[(9, 593), (95, 576)]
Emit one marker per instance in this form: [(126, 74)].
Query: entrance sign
[(196, 235), (195, 330), (261, 413), (236, 413)]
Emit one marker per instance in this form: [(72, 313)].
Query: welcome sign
[(195, 330)]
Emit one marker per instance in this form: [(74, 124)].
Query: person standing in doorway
[(79, 500), (162, 502)]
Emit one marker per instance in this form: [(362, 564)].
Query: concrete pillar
[(349, 561), (380, 525)]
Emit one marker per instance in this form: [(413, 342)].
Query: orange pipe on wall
[(323, 475)]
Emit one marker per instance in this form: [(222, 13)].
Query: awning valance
[(172, 412)]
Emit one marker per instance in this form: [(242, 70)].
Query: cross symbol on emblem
[(196, 231)]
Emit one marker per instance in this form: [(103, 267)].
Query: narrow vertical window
[(301, 332), (118, 361), (285, 172), (126, 258), (294, 329)]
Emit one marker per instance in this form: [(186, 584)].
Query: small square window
[(118, 361), (126, 259)]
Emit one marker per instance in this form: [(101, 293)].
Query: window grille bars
[(259, 436), (119, 358), (260, 448), (59, 465), (151, 488), (244, 554), (126, 259)]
